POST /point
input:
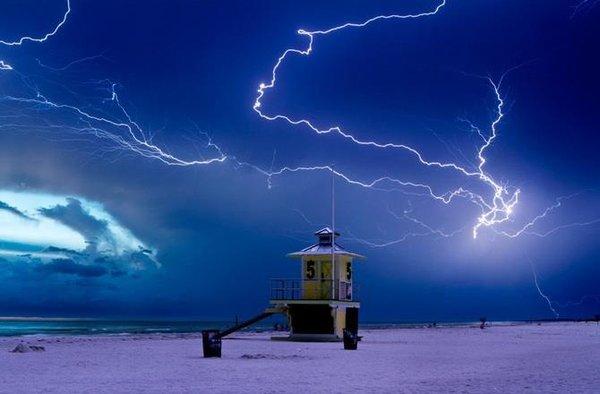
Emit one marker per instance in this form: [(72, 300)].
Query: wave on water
[(44, 327)]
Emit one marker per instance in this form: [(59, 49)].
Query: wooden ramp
[(246, 323)]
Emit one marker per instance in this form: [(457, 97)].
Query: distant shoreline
[(38, 326)]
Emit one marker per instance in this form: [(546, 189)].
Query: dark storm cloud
[(94, 230), (74, 264), (26, 267), (54, 249), (8, 208), (70, 267), (91, 263), (73, 215), (111, 251)]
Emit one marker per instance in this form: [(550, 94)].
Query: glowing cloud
[(67, 233)]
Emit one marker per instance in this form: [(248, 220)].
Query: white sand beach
[(552, 357)]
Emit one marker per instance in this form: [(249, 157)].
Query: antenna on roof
[(332, 233), (332, 206)]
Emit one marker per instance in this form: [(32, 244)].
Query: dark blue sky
[(187, 69)]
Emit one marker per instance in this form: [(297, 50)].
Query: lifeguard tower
[(321, 306), (322, 303)]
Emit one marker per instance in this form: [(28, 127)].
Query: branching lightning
[(496, 206), (495, 211), (527, 228), (426, 230), (134, 139), (430, 230)]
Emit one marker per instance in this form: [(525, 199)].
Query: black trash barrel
[(211, 343), (350, 339)]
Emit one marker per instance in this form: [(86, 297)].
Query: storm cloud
[(70, 267), (8, 208), (74, 216), (69, 236)]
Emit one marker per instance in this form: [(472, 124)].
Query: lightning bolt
[(527, 228), (427, 230), (5, 66), (544, 296), (127, 135), (496, 211), (133, 139), (21, 40), (423, 225), (72, 63), (554, 305), (562, 227)]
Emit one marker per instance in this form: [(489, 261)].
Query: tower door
[(326, 270), (326, 280)]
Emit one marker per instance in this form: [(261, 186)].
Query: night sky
[(95, 224)]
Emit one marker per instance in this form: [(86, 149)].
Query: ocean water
[(18, 327)]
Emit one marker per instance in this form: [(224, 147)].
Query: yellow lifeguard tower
[(320, 306), (322, 303)]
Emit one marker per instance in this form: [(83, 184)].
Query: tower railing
[(315, 289)]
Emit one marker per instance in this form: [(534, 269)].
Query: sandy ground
[(557, 357)]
